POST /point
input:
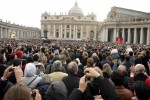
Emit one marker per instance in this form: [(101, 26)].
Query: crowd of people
[(73, 70)]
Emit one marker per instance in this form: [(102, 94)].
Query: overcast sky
[(28, 12)]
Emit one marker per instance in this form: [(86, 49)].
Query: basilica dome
[(75, 11)]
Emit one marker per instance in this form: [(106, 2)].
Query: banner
[(12, 35), (119, 40)]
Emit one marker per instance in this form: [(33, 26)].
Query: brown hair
[(85, 54), (107, 68), (18, 92), (90, 62)]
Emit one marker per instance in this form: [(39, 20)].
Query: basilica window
[(63, 36), (67, 26), (91, 34), (57, 17), (78, 36), (57, 34), (92, 18), (45, 17), (71, 35), (67, 34)]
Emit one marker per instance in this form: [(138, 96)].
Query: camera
[(33, 94), (87, 78), (12, 69)]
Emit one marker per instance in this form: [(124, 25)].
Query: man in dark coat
[(140, 73), (105, 87), (72, 80)]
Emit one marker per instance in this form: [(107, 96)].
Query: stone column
[(141, 36), (95, 33), (106, 35), (81, 31), (65, 32), (1, 32), (70, 32), (7, 33), (129, 36), (74, 28), (76, 32), (26, 35), (19, 34), (135, 36), (54, 31), (4, 34), (29, 35), (87, 32), (61, 31), (23, 34), (123, 35), (114, 35), (148, 36)]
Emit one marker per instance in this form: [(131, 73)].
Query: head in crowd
[(43, 59), (17, 62), (85, 54), (68, 60), (142, 90), (42, 49), (63, 58), (30, 58), (147, 53), (30, 70), (46, 78), (122, 69), (72, 68), (104, 56), (56, 91), (138, 60), (56, 58), (127, 58), (109, 58), (19, 54), (90, 62), (56, 52), (57, 65), (18, 92), (117, 78), (96, 60), (139, 68), (35, 57), (107, 69), (130, 53)]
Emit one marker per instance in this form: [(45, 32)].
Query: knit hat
[(57, 91), (30, 70), (114, 51), (56, 52), (147, 81), (19, 54)]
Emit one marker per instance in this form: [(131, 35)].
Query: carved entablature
[(122, 14), (67, 18)]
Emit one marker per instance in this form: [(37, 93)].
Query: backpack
[(49, 69)]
